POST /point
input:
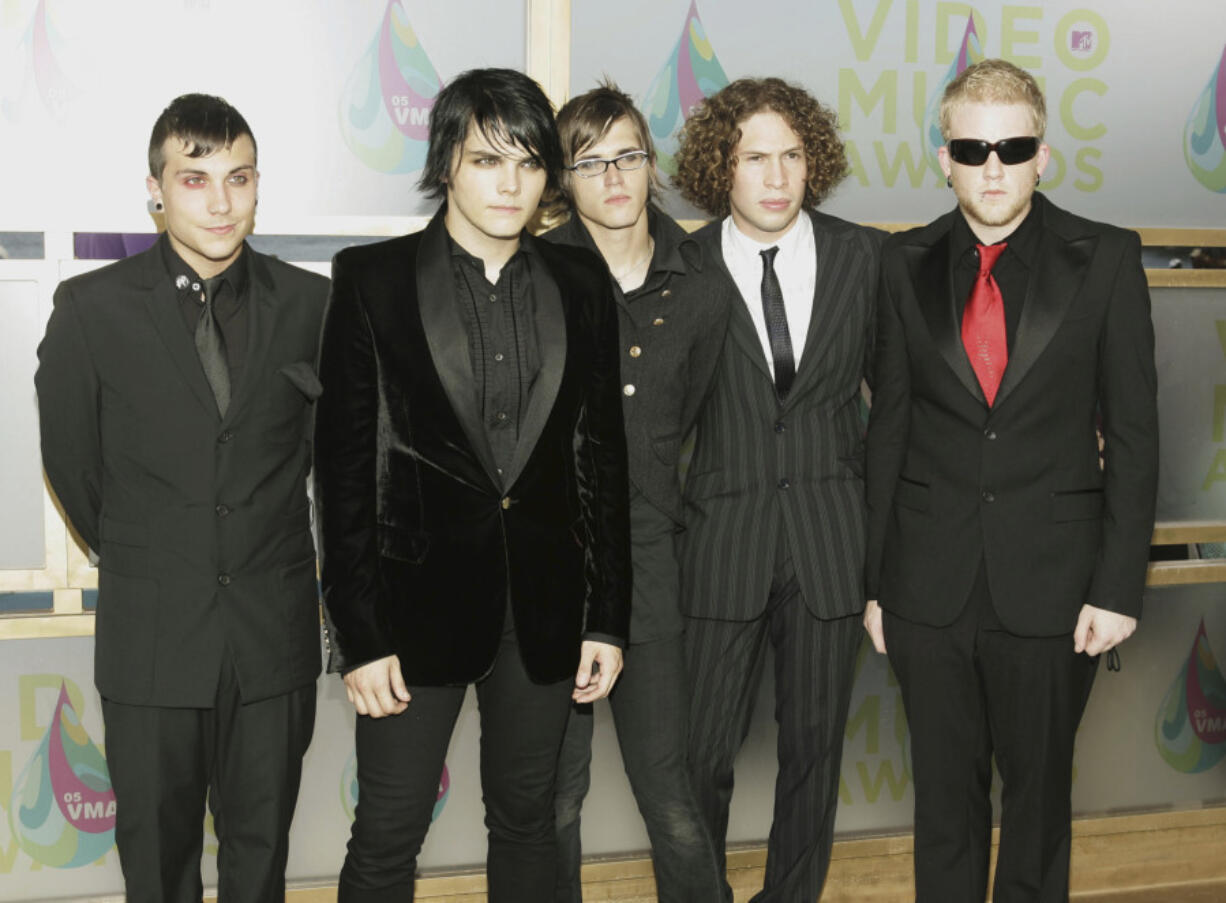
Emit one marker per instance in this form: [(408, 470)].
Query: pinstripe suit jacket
[(766, 472)]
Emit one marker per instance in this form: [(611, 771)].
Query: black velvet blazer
[(422, 538)]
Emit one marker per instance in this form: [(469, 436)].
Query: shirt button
[(498, 356), (635, 350), (195, 286), (222, 510), (501, 415), (225, 436), (785, 483), (667, 293), (780, 426), (223, 579), (628, 389), (988, 496), (989, 433), (658, 321)]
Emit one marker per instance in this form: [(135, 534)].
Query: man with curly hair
[(1006, 560), (774, 542)]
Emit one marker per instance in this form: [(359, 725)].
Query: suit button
[(658, 321), (780, 426), (493, 297), (988, 496), (225, 436), (989, 433), (223, 579), (635, 350), (628, 389), (498, 356), (506, 503), (785, 483), (222, 510), (667, 293)]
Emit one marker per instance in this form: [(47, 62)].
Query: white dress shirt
[(796, 269)]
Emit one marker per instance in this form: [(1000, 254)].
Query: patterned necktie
[(983, 324), (211, 347), (777, 325)]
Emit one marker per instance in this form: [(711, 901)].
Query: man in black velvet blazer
[(175, 392), (472, 488), (1005, 556)]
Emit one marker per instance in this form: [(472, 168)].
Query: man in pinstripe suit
[(774, 545)]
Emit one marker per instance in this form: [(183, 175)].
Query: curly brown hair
[(707, 155)]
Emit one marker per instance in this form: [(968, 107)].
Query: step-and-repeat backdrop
[(339, 95)]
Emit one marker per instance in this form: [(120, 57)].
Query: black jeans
[(650, 708), (400, 759)]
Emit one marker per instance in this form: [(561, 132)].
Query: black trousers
[(247, 758), (400, 759), (972, 691), (814, 672)]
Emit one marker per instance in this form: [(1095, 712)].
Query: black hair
[(505, 106), (204, 123)]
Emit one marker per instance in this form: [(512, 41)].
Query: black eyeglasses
[(596, 167), (1010, 151)]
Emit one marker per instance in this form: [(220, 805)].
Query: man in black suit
[(471, 477), (1005, 558), (673, 314), (176, 388), (774, 542)]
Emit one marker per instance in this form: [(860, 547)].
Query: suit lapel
[(550, 320), (740, 324), (162, 302), (261, 322), (933, 283), (1050, 290), (448, 340)]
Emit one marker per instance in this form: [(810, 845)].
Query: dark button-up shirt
[(229, 306)]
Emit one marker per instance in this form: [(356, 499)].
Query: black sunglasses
[(1010, 151)]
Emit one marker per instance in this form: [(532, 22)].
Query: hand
[(599, 665), (377, 688), (1099, 630), (872, 623)]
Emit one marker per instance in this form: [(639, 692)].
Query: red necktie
[(983, 324)]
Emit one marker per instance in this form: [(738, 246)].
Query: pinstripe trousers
[(814, 663)]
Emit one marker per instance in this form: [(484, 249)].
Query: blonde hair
[(998, 82)]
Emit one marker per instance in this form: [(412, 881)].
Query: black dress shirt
[(229, 306), (1012, 270)]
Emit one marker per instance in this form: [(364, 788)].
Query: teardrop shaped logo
[(969, 53), (1204, 134), (691, 73), (1190, 730), (385, 106), (62, 810), (41, 79)]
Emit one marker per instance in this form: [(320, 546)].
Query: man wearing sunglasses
[(672, 314), (1005, 558)]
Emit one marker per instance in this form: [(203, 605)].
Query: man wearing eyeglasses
[(672, 315), (1003, 560)]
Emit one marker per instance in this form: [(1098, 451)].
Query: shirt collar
[(1022, 241), (186, 280), (796, 241)]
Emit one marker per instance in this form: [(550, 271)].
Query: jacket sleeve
[(705, 354), (70, 425), (888, 426), (346, 422), (603, 478), (1127, 398)]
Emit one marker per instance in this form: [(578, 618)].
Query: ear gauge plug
[(949, 181)]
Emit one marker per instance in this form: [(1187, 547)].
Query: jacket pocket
[(910, 494), (1085, 504)]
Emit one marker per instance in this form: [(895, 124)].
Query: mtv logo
[(1081, 41)]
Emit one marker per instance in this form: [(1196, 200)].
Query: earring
[(1037, 180), (949, 181), (158, 206)]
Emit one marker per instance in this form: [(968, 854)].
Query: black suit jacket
[(1018, 486), (422, 538), (766, 472), (202, 523)]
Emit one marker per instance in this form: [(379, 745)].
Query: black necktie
[(211, 347), (777, 325)]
